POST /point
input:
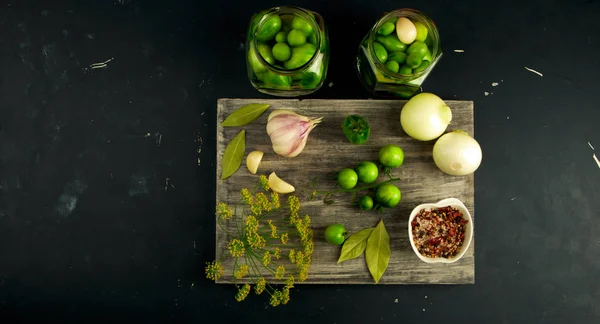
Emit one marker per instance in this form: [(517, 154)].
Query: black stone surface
[(90, 231)]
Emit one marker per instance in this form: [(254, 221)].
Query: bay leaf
[(233, 155), (355, 245), (245, 115), (378, 251)]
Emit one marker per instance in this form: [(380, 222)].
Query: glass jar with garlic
[(287, 51), (398, 53)]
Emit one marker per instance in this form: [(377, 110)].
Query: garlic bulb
[(289, 131)]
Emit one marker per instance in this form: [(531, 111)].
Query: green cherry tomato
[(388, 195), (399, 57), (356, 129), (276, 80), (417, 47), (422, 67), (347, 178), (312, 39), (269, 29), (253, 61), (391, 156), (300, 56), (380, 52), (366, 203), (265, 52), (286, 22), (427, 56), (414, 60), (281, 37), (391, 43), (421, 31), (335, 234), (405, 69), (302, 24), (296, 37), (367, 172), (386, 29), (393, 66), (282, 52)]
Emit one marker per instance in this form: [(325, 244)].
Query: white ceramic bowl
[(452, 202)]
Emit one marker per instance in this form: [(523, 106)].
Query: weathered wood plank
[(326, 152)]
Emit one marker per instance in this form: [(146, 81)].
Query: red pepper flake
[(439, 232)]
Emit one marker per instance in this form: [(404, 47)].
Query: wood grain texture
[(328, 151)]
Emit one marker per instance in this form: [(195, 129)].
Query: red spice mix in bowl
[(442, 232)]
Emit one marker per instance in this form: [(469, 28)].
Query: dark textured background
[(88, 231)]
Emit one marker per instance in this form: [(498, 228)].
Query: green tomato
[(300, 56), (422, 67), (393, 66), (282, 52), (276, 81), (421, 31), (286, 22), (386, 29), (405, 69), (265, 52), (302, 24), (296, 37), (380, 52), (398, 57), (418, 47), (253, 61), (281, 37), (269, 29), (391, 156), (414, 60), (391, 43), (388, 195), (427, 56), (366, 203), (356, 128), (313, 39), (347, 178), (335, 234), (367, 172), (308, 80)]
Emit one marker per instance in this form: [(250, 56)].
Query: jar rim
[(304, 13), (414, 15)]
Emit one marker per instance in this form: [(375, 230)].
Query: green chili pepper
[(356, 129)]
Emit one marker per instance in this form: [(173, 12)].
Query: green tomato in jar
[(281, 52), (302, 24), (421, 31), (380, 52), (269, 29), (414, 60), (422, 67), (418, 47), (405, 69), (427, 56), (387, 28), (300, 56), (388, 195), (296, 37), (399, 57), (392, 66), (281, 37), (309, 80), (265, 52), (286, 22), (391, 43), (255, 64), (313, 39), (276, 81)]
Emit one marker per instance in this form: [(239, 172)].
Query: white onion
[(457, 153), (425, 117)]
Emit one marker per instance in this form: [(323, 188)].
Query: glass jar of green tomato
[(398, 53), (287, 51)]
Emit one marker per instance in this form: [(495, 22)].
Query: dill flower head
[(284, 238), (263, 201), (256, 241), (236, 248), (275, 200), (275, 298), (251, 224), (224, 211), (213, 270), (293, 204), (247, 196), (266, 258), (280, 272), (277, 253), (242, 292), (292, 256), (241, 271), (263, 182), (289, 282), (284, 297), (273, 229), (260, 286)]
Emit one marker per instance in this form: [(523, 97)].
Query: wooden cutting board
[(328, 151)]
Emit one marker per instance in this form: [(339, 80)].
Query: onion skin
[(457, 153), (425, 117)]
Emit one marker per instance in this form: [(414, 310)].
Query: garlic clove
[(289, 131), (285, 112), (278, 185), (253, 160)]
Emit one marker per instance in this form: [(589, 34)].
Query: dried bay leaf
[(355, 245), (245, 115), (378, 251), (233, 155)]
